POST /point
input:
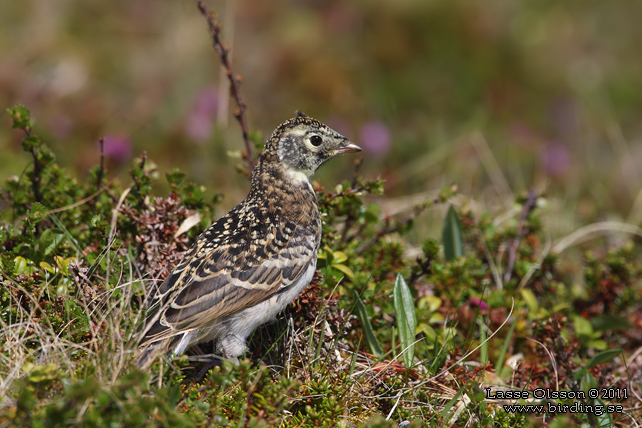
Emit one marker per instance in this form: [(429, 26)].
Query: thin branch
[(235, 82), (102, 164), (529, 205), (425, 266), (37, 169), (139, 187), (358, 163), (355, 184), (392, 228)]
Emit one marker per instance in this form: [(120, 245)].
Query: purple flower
[(375, 138), (117, 147), (475, 302), (556, 159), (198, 125)]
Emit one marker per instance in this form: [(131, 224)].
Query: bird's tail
[(147, 354)]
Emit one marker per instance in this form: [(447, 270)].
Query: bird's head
[(302, 144)]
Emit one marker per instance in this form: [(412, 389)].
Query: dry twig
[(529, 205), (235, 81), (99, 181), (390, 227)]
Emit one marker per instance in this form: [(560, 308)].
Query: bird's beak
[(350, 148)]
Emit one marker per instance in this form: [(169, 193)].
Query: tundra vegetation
[(388, 331)]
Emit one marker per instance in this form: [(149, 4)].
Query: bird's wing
[(221, 276)]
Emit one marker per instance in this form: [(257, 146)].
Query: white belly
[(232, 331)]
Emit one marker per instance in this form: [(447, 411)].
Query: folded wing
[(224, 273)]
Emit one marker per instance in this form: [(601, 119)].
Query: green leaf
[(601, 358), (45, 155), (605, 420), (371, 339), (49, 241), (452, 239), (339, 257), (175, 178), (62, 289), (47, 267), (430, 248), (430, 332), (483, 351), (37, 213), (598, 345), (406, 319), (63, 264), (46, 239), (174, 395), (30, 142), (21, 117), (609, 322), (446, 410), (583, 326), (504, 349), (531, 300), (256, 136), (20, 265), (588, 381), (345, 270), (429, 304)]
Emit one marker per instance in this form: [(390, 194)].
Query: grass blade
[(601, 358), (504, 349), (406, 319), (371, 339), (483, 351), (451, 236)]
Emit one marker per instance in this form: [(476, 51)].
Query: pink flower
[(117, 147), (198, 125), (475, 302), (556, 159), (375, 138)]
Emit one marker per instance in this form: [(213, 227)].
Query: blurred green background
[(494, 96)]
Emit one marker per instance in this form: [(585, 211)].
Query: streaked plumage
[(252, 262)]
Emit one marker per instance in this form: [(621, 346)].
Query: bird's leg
[(201, 374), (232, 346), (211, 362), (197, 351)]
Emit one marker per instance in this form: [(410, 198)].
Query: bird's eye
[(316, 140)]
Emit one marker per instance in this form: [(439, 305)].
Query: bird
[(251, 263)]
